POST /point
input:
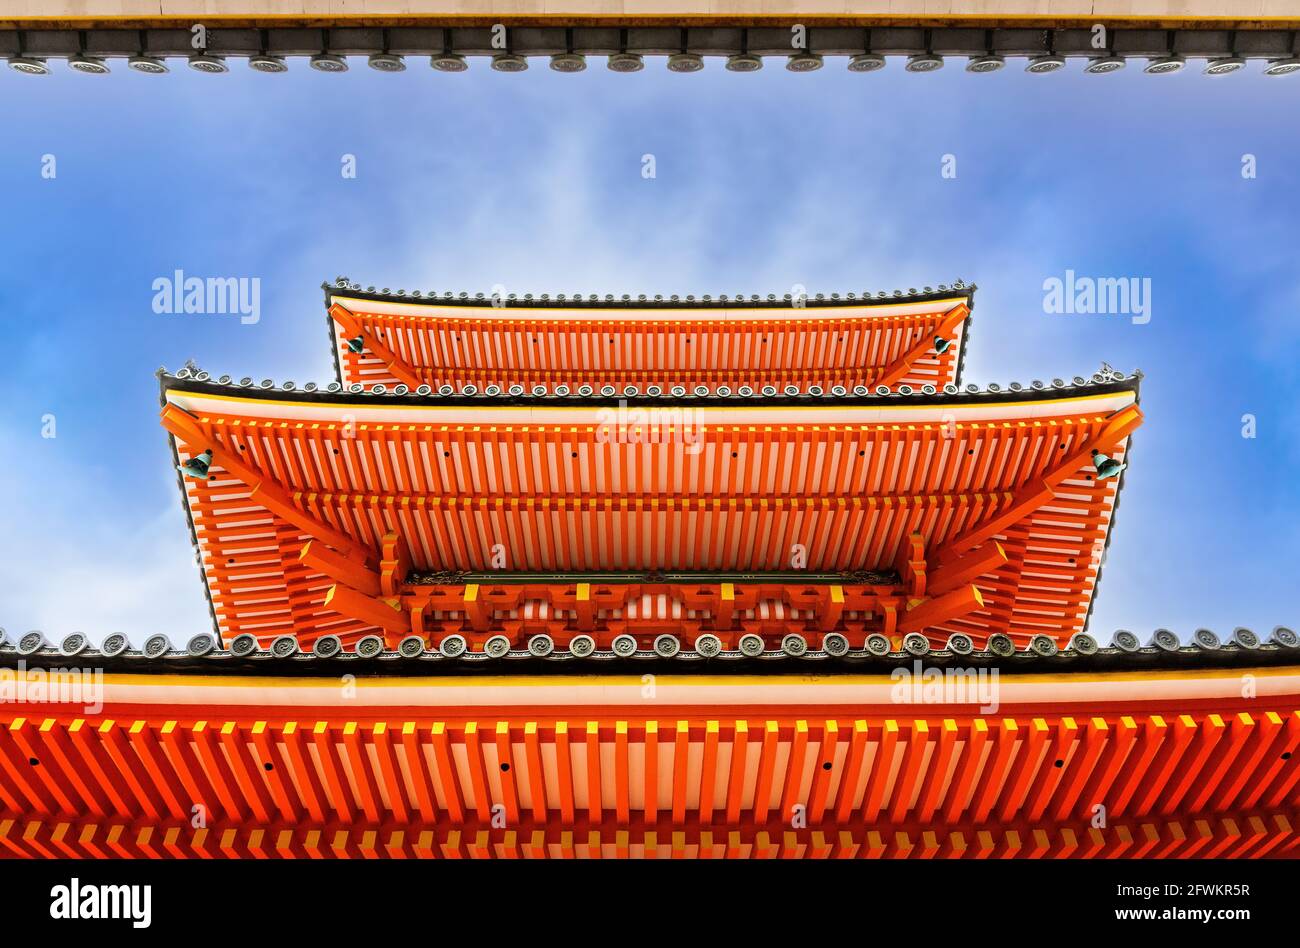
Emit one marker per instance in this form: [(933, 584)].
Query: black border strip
[(394, 665)]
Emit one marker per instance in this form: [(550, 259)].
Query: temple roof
[(559, 484), (991, 759), (549, 344)]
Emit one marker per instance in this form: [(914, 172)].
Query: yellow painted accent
[(712, 681), (584, 592)]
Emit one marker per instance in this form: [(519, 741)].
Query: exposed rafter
[(352, 327), (899, 368)]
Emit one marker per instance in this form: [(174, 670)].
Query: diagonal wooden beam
[(264, 490), (342, 570), (347, 601), (1034, 495), (351, 326), (979, 561), (903, 364), (939, 609)]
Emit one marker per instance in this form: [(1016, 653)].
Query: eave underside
[(1194, 770), (1012, 495), (600, 344)]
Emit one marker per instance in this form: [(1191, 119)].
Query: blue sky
[(830, 180)]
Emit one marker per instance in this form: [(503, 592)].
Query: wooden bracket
[(394, 563), (263, 490), (341, 569), (913, 567), (349, 602), (982, 560), (1041, 491), (585, 606), (901, 366), (351, 326), (940, 609)]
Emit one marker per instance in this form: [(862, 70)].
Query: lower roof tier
[(855, 765), (317, 514)]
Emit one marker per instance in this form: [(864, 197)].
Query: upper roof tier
[(546, 345), (995, 489)]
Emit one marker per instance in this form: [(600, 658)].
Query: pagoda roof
[(450, 341), (991, 477), (289, 764)]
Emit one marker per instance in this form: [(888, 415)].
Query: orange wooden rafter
[(340, 569), (351, 326), (265, 491), (1119, 426), (940, 609), (903, 364), (1224, 784), (978, 562), (368, 609)]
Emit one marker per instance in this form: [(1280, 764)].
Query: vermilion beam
[(352, 327), (900, 368)]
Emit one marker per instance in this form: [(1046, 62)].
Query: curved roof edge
[(342, 286), (1100, 383), (393, 664)]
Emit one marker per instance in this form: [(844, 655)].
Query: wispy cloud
[(70, 560)]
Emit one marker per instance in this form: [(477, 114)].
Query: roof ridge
[(626, 300)]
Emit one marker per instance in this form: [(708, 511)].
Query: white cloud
[(73, 561)]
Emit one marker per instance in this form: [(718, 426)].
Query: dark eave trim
[(1035, 391), (394, 665)]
